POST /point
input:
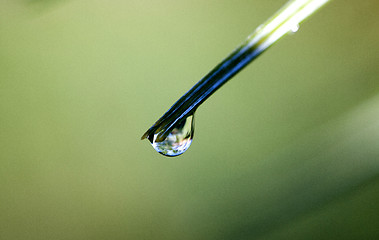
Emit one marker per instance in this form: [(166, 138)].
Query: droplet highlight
[(294, 28), (178, 141)]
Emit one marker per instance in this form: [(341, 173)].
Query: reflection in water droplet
[(178, 141)]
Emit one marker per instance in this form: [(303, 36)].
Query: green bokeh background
[(288, 149)]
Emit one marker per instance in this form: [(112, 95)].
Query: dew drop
[(294, 28), (178, 141)]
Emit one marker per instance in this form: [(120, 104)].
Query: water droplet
[(178, 141), (294, 28)]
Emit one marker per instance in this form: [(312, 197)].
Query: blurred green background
[(288, 149)]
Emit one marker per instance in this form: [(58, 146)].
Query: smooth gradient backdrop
[(288, 149)]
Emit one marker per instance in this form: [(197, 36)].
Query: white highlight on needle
[(287, 19)]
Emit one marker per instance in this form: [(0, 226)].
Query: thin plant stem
[(287, 19)]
